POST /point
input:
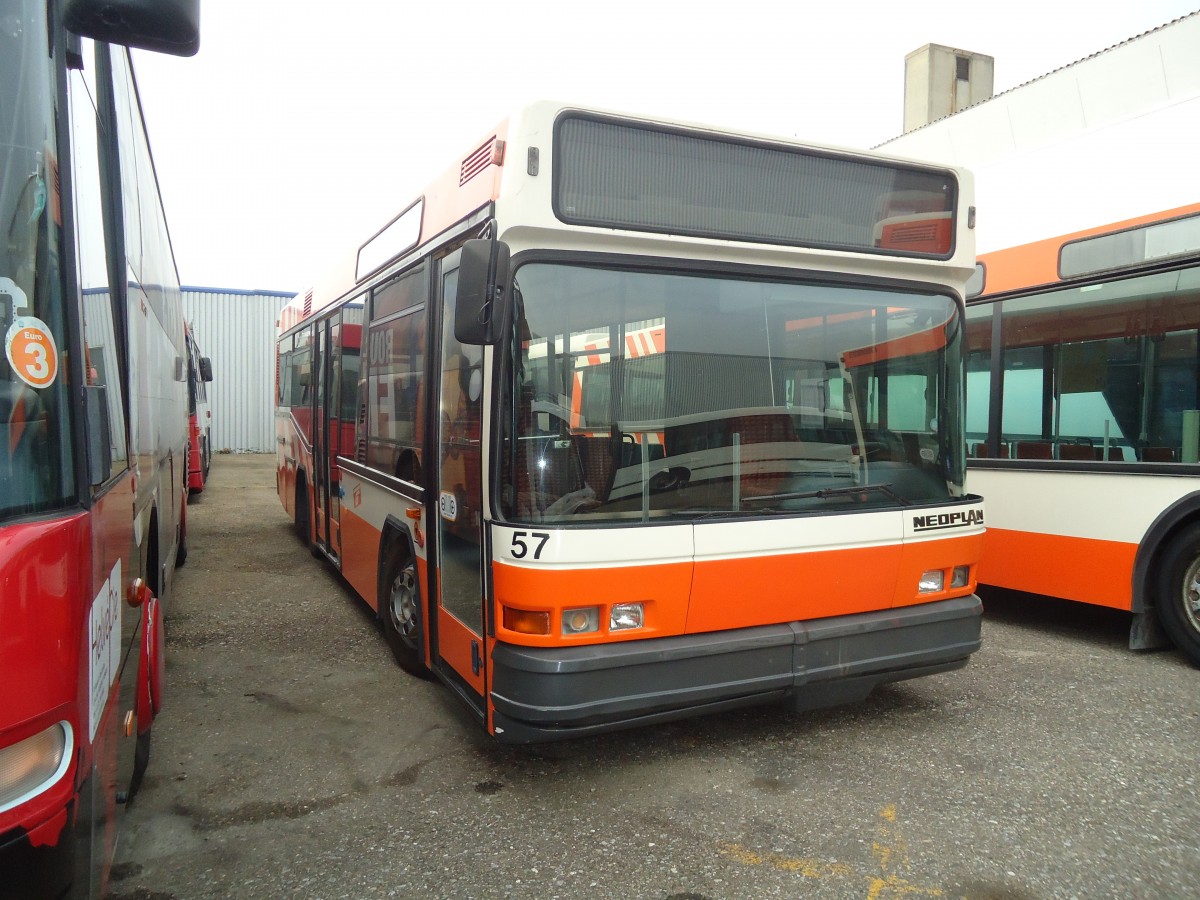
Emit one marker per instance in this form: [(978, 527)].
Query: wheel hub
[(404, 604)]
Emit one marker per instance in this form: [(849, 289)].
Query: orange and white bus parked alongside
[(1084, 427), (1083, 381), (93, 433), (650, 419)]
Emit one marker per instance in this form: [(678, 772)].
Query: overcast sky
[(301, 127)]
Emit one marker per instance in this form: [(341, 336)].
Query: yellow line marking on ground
[(889, 850)]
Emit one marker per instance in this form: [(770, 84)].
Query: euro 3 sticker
[(29, 346)]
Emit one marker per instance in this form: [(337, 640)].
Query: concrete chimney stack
[(940, 81)]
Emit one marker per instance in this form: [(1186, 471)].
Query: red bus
[(93, 440), (649, 420), (199, 376)]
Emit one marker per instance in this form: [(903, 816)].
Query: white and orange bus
[(93, 432), (1083, 365), (1084, 419), (627, 420)]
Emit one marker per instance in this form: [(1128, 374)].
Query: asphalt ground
[(294, 759)]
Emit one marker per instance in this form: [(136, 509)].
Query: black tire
[(1178, 597), (303, 529), (400, 610), (141, 759), (181, 552)]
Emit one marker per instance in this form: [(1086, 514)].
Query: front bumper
[(545, 694)]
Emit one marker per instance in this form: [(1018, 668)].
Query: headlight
[(961, 577), (626, 615), (31, 765), (932, 582)]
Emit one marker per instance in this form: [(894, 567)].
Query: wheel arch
[(302, 514), (394, 530), (1171, 521)]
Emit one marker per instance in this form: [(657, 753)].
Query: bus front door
[(333, 440), (458, 626), (320, 444)]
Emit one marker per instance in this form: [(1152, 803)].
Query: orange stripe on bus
[(928, 341), (1074, 568), (1036, 263), (714, 595)]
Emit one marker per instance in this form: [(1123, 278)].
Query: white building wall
[(236, 330), (1108, 138)]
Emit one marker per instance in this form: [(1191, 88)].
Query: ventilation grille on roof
[(308, 304), (491, 151)]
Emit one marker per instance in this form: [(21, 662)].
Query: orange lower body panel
[(738, 593), (1090, 571), (360, 556)]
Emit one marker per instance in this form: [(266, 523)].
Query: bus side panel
[(1070, 534), (115, 656), (360, 553), (285, 462), (365, 510), (1074, 568)]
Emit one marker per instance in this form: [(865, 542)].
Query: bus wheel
[(302, 517), (1179, 592), (181, 552), (400, 610)]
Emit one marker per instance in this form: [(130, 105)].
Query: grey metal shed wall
[(236, 330)]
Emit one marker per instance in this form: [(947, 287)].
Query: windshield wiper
[(824, 493)]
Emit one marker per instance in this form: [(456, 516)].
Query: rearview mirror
[(482, 273), (205, 369), (167, 26)]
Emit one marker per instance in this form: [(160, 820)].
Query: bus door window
[(320, 445), (341, 412), (460, 491), (101, 322)]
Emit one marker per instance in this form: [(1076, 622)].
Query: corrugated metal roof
[(236, 330), (1126, 42)]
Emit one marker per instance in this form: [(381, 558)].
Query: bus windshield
[(652, 394), (35, 451)]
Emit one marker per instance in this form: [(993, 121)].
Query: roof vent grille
[(490, 153)]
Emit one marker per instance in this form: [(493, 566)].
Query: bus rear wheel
[(303, 529), (1179, 592), (400, 610)]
